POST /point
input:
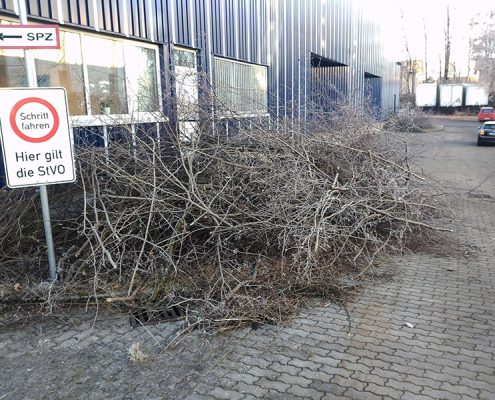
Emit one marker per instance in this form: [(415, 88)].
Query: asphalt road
[(452, 156)]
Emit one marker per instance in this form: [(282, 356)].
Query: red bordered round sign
[(22, 135)]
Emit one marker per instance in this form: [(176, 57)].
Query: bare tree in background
[(426, 50), (410, 68), (470, 49), (483, 50), (447, 46)]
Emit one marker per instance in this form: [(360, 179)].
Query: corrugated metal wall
[(7, 5), (337, 31), (283, 34)]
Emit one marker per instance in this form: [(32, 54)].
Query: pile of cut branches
[(234, 230), (410, 120)]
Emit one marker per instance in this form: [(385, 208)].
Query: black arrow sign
[(2, 36)]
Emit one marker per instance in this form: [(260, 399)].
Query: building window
[(63, 67), (186, 84), (186, 92), (106, 75), (141, 77), (12, 69), (100, 75), (184, 58), (240, 88)]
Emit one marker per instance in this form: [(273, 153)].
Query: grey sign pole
[(31, 80)]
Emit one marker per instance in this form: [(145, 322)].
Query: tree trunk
[(447, 47)]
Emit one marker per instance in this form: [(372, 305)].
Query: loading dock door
[(373, 90)]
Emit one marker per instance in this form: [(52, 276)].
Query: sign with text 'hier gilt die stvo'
[(36, 139)]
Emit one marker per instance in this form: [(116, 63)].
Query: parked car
[(486, 114), (486, 133)]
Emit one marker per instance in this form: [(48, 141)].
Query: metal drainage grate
[(478, 195), (151, 317)]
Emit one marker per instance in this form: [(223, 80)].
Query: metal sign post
[(45, 207)]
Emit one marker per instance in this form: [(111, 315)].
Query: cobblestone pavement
[(426, 332)]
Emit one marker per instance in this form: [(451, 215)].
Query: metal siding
[(7, 5), (145, 21), (139, 17), (185, 23), (157, 15), (342, 31), (78, 13), (182, 22), (228, 31), (216, 27), (133, 18), (163, 15), (231, 29), (241, 29), (44, 9), (179, 18), (199, 23), (104, 15), (192, 24), (116, 17), (205, 34)]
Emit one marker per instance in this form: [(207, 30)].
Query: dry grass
[(137, 355)]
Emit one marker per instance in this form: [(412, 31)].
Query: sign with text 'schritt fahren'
[(35, 135), (29, 36)]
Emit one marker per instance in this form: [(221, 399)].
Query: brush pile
[(408, 120), (234, 230)]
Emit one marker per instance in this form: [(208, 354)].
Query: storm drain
[(478, 195), (151, 317)]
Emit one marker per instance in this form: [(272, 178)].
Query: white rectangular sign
[(36, 138), (29, 37)]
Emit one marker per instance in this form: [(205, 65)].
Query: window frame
[(224, 114)]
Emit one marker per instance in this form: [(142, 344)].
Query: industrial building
[(261, 57)]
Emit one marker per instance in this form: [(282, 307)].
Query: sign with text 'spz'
[(29, 37), (36, 139)]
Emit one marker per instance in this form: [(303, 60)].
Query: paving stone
[(294, 380), (318, 375), (369, 378), (345, 373), (466, 387), (305, 392), (440, 394), (384, 391), (330, 361), (406, 387), (221, 393), (358, 395), (284, 368), (348, 382), (413, 396), (304, 364), (255, 390), (273, 385)]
